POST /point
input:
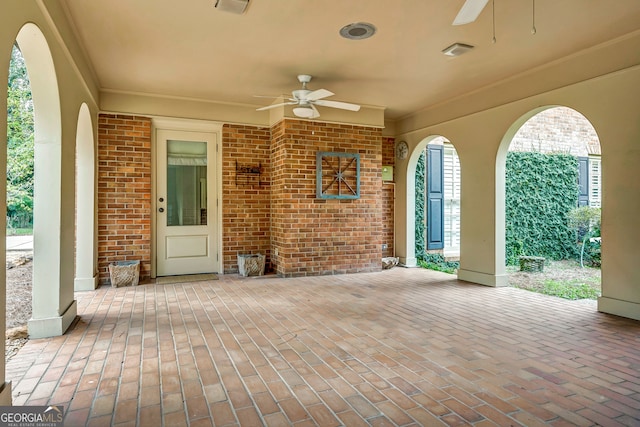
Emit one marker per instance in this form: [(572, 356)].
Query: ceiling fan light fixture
[(304, 112), (357, 31), (457, 49)]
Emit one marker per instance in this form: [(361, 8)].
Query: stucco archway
[(53, 306), (412, 162), (515, 135)]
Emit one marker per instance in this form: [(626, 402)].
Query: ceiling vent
[(234, 6), (457, 49), (358, 31)]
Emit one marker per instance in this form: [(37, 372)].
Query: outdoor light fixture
[(305, 112), (457, 49)]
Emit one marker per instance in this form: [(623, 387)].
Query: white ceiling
[(190, 49)]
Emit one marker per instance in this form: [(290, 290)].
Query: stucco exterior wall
[(57, 124), (612, 104)]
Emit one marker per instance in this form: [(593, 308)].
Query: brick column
[(124, 192), (246, 197), (313, 236)]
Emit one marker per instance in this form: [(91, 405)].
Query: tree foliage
[(20, 131)]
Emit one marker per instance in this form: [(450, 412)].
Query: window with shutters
[(583, 181), (451, 171), (595, 181), (435, 196), (442, 198)]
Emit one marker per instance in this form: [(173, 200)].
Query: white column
[(86, 274), (53, 234)]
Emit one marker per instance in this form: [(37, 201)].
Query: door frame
[(186, 125)]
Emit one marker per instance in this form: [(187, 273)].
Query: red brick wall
[(279, 214), (388, 198), (557, 130), (312, 236), (246, 198), (124, 192)]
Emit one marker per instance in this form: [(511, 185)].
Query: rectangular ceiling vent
[(457, 49), (234, 6)]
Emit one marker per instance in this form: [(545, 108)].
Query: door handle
[(161, 210)]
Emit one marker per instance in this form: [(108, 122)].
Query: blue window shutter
[(583, 181), (435, 196)]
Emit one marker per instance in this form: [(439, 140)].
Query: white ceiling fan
[(470, 11), (306, 100)]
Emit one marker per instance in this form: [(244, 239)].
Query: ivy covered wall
[(540, 191), (420, 206)]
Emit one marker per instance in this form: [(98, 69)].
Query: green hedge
[(540, 190)]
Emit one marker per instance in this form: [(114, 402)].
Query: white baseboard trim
[(483, 278), (85, 284), (408, 262), (619, 307), (53, 326)]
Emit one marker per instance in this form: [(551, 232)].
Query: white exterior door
[(186, 214)]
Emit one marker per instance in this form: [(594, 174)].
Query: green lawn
[(564, 279), (19, 231)]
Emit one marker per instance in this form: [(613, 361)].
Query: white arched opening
[(53, 306), (413, 159), (86, 277), (549, 129), (441, 200)]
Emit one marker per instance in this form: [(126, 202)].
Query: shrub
[(585, 222), (438, 263)]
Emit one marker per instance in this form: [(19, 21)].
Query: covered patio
[(400, 347)]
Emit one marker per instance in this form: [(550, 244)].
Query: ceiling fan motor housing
[(304, 79), (301, 94)]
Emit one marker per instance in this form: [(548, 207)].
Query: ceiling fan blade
[(268, 107), (338, 104), (318, 94), (470, 11)]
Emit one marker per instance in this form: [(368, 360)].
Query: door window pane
[(186, 183)]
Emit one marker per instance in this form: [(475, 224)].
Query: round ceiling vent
[(357, 31)]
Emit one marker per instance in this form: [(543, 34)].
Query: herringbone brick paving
[(405, 347)]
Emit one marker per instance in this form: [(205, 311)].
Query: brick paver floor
[(403, 347)]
